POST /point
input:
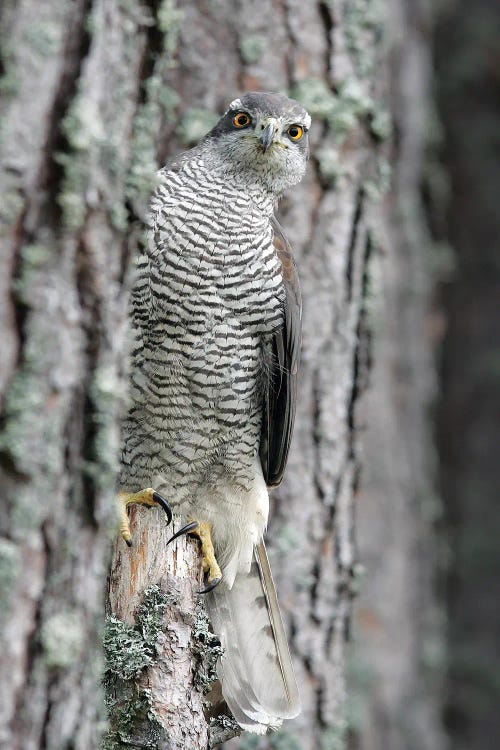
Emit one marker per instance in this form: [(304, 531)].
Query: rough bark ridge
[(72, 160)]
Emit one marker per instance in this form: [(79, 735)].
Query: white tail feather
[(256, 671)]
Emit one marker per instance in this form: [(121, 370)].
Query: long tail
[(256, 671)]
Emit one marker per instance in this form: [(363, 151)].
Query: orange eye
[(241, 120), (295, 132)]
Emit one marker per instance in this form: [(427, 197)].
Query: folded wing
[(281, 387)]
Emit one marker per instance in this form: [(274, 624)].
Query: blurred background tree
[(467, 69), (395, 233)]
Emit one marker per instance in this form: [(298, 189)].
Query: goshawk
[(216, 319)]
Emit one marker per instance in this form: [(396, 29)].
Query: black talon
[(185, 530), (210, 586), (157, 498), (128, 542)]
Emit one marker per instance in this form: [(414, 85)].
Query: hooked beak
[(267, 135)]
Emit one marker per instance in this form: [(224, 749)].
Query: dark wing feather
[(281, 386)]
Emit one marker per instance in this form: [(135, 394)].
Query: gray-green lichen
[(334, 737), (358, 574), (170, 17), (28, 439), (151, 613), (35, 255), (194, 124), (342, 110), (133, 722), (8, 84), (353, 103), (248, 742), (207, 649), (12, 204), (10, 564), (141, 177), (44, 37), (128, 650), (62, 637), (160, 103), (131, 648), (89, 143), (221, 729), (252, 47), (287, 539), (316, 96), (380, 124), (107, 392), (434, 655), (79, 128), (330, 166), (9, 78), (363, 26), (33, 271), (379, 182)]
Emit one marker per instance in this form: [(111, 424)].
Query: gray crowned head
[(263, 137)]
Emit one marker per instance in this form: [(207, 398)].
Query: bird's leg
[(210, 565), (209, 561), (144, 497)]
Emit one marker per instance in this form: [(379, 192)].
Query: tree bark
[(114, 88), (157, 641), (396, 670), (467, 74)]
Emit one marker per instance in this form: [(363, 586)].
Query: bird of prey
[(216, 321)]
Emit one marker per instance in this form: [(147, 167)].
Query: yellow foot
[(145, 497), (211, 568)]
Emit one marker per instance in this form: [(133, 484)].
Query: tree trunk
[(398, 656), (467, 71)]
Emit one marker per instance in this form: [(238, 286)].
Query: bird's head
[(264, 136)]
